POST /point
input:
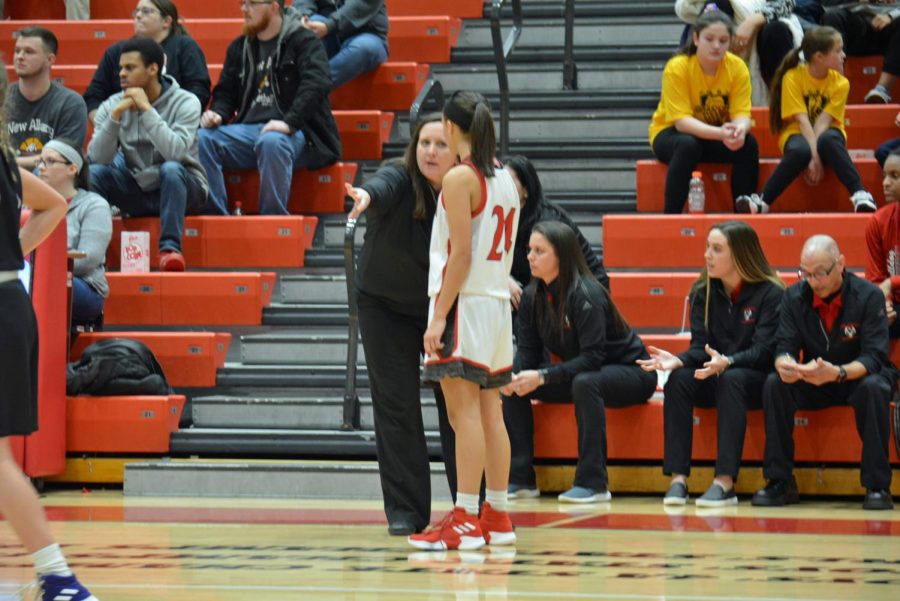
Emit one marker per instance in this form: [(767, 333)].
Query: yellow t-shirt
[(802, 93), (688, 92)]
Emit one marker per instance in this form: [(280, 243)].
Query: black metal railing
[(351, 398), (570, 69), (502, 50), (430, 99)]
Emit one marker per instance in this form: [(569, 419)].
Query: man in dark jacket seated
[(354, 33), (274, 92), (839, 324)]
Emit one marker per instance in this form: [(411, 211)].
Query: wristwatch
[(842, 375), (542, 376)]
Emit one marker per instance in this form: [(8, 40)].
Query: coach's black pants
[(592, 392), (732, 394), (683, 152), (870, 398), (392, 342)]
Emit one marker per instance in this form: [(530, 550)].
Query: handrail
[(502, 49), (430, 99), (351, 398), (570, 69)]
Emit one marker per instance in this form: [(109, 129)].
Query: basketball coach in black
[(837, 321)]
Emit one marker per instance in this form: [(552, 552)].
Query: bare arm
[(699, 129), (459, 188), (47, 206), (823, 122), (462, 192)]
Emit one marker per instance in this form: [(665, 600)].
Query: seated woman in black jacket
[(536, 208), (735, 305), (566, 312)]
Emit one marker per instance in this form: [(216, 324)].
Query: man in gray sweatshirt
[(153, 122)]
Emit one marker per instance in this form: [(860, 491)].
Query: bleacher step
[(301, 348), (315, 410), (625, 31), (305, 314), (542, 9), (283, 443), (306, 376), (314, 288), (267, 479), (621, 73)]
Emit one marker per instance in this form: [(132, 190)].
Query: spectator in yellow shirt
[(807, 110), (704, 112)]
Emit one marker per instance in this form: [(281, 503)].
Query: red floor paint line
[(670, 523)]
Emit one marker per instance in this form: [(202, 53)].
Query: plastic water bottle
[(696, 194), (237, 208)]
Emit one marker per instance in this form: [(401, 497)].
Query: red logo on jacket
[(849, 331)]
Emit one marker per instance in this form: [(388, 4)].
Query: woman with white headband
[(89, 226)]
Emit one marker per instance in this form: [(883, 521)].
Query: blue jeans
[(180, 193), (87, 304), (351, 57), (240, 146)]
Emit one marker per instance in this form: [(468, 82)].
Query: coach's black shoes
[(777, 493), (878, 499), (399, 528)]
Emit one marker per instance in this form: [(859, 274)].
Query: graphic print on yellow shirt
[(713, 107), (803, 93)]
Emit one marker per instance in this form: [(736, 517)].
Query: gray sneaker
[(716, 496), (522, 491), (677, 494), (878, 95), (863, 202), (580, 494)]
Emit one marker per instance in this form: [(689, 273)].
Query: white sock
[(50, 560), (467, 502), (497, 498)]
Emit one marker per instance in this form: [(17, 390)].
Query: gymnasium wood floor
[(630, 549)]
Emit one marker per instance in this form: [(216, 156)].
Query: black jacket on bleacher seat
[(860, 332), (348, 17), (302, 82), (393, 262), (589, 341), (185, 62), (744, 330)]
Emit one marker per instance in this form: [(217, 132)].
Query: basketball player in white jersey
[(468, 343)]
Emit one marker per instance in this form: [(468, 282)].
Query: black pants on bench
[(683, 152), (733, 393), (870, 398), (592, 392)]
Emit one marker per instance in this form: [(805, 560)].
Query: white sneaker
[(750, 204), (877, 95), (863, 202)]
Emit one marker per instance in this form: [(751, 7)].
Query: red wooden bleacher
[(867, 126), (319, 191), (636, 434), (828, 197), (215, 298), (391, 87), (248, 241), (118, 9), (121, 424), (428, 39), (648, 240), (656, 299), (187, 358)]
